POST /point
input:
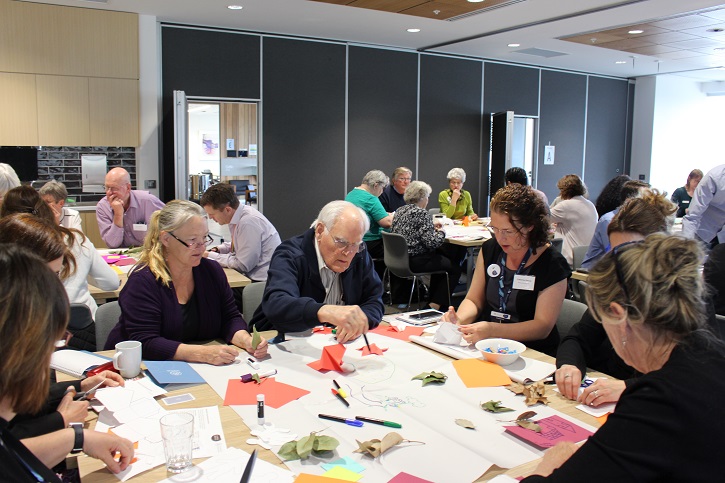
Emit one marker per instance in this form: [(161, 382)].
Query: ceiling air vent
[(483, 10), (540, 52)]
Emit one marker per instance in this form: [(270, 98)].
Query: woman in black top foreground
[(649, 296)]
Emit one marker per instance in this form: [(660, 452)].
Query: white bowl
[(515, 349)]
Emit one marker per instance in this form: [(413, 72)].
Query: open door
[(181, 154), (502, 127)]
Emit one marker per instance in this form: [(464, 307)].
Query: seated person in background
[(610, 198), (8, 179), (89, 263), (575, 216), (683, 195), (714, 274), (649, 297), (366, 198), (392, 197), (425, 242), (34, 316), (324, 276), (455, 202), (705, 219), (586, 344), (600, 241), (253, 236), (123, 215), (518, 175), (55, 194), (174, 295), (520, 281)]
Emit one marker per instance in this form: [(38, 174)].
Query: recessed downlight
[(635, 32), (514, 45), (621, 62), (412, 31), (234, 7)]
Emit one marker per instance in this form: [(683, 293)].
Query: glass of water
[(177, 429)]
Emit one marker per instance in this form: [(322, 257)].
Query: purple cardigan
[(151, 314)]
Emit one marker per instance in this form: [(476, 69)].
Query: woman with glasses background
[(175, 296), (520, 281), (650, 299)]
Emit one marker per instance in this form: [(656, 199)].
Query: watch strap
[(78, 441)]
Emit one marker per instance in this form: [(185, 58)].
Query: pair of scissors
[(84, 396)]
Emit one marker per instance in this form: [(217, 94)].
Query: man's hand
[(350, 320)]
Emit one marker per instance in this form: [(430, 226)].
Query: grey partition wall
[(382, 111), (606, 132), (561, 124), (511, 88), (303, 119), (450, 125), (203, 63)]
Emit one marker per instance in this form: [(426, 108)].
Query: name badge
[(524, 282), (143, 227), (685, 202), (493, 270), (500, 315)]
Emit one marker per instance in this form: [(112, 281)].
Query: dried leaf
[(494, 407), (256, 378), (535, 393), (256, 338), (525, 423), (428, 377), (301, 449), (516, 388), (526, 415), (465, 423), (375, 447)]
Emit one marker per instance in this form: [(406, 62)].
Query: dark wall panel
[(450, 125), (303, 130), (561, 123), (202, 63), (606, 132), (511, 88), (382, 111)]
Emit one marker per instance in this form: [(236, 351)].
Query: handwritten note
[(554, 429)]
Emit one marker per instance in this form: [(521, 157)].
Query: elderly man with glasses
[(324, 276), (123, 215), (392, 197)]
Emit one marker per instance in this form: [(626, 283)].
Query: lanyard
[(503, 298)]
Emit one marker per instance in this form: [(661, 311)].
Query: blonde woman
[(175, 296)]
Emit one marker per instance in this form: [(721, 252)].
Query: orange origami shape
[(374, 349), (331, 359)]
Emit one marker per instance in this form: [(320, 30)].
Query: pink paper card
[(554, 429), (404, 477)]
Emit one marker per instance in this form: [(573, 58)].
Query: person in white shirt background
[(705, 219), (55, 194)]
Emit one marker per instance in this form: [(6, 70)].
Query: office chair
[(578, 255), (398, 263), (571, 313), (251, 298), (107, 317)]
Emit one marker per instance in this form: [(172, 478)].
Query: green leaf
[(256, 338), (465, 423), (422, 375), (288, 451), (325, 443), (495, 407), (304, 446), (429, 377)]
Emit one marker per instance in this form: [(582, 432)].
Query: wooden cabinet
[(113, 112), (90, 228), (63, 115), (18, 115)]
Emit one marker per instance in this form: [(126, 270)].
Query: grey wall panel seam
[(480, 151), (586, 113), (347, 116), (417, 125), (260, 131), (538, 136)]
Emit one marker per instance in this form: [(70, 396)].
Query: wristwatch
[(78, 442)]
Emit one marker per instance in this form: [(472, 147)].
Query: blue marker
[(349, 422)]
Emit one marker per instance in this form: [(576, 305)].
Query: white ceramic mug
[(127, 358)]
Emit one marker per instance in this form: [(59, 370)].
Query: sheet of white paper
[(448, 333), (597, 411), (145, 386)]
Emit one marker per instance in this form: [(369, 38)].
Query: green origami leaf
[(256, 338), (465, 423), (495, 407), (256, 378), (428, 377)]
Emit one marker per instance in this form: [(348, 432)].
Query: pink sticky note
[(330, 360), (374, 349), (554, 429), (404, 477)]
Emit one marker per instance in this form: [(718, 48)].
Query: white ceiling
[(357, 25)]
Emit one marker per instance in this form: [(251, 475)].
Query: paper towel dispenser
[(93, 172)]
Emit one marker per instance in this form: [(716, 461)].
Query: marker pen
[(249, 377), (260, 409)]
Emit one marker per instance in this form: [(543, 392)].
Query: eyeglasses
[(208, 240), (502, 233), (620, 272), (346, 247), (404, 179), (112, 189)]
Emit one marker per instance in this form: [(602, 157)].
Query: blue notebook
[(173, 372)]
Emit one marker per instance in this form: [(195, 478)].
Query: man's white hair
[(330, 213)]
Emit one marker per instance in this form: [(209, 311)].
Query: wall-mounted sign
[(549, 152)]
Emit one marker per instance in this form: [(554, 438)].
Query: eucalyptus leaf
[(376, 447), (525, 423), (465, 423), (256, 338), (429, 377), (304, 445), (325, 443), (301, 449), (256, 378), (288, 451), (494, 407)]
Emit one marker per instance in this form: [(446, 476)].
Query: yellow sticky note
[(308, 478), (478, 373), (342, 473)]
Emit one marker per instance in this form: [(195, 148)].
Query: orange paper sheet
[(330, 360), (307, 478), (478, 373), (602, 419), (390, 331), (276, 394), (374, 349)]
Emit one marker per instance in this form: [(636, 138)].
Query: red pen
[(338, 396)]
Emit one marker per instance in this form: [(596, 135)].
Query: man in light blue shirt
[(706, 216)]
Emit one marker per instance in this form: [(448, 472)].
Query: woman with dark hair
[(575, 216), (650, 299), (33, 316), (520, 281), (610, 198), (683, 195)]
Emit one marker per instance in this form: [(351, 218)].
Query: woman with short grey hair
[(426, 252), (456, 202), (8, 179), (366, 197), (55, 194)]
